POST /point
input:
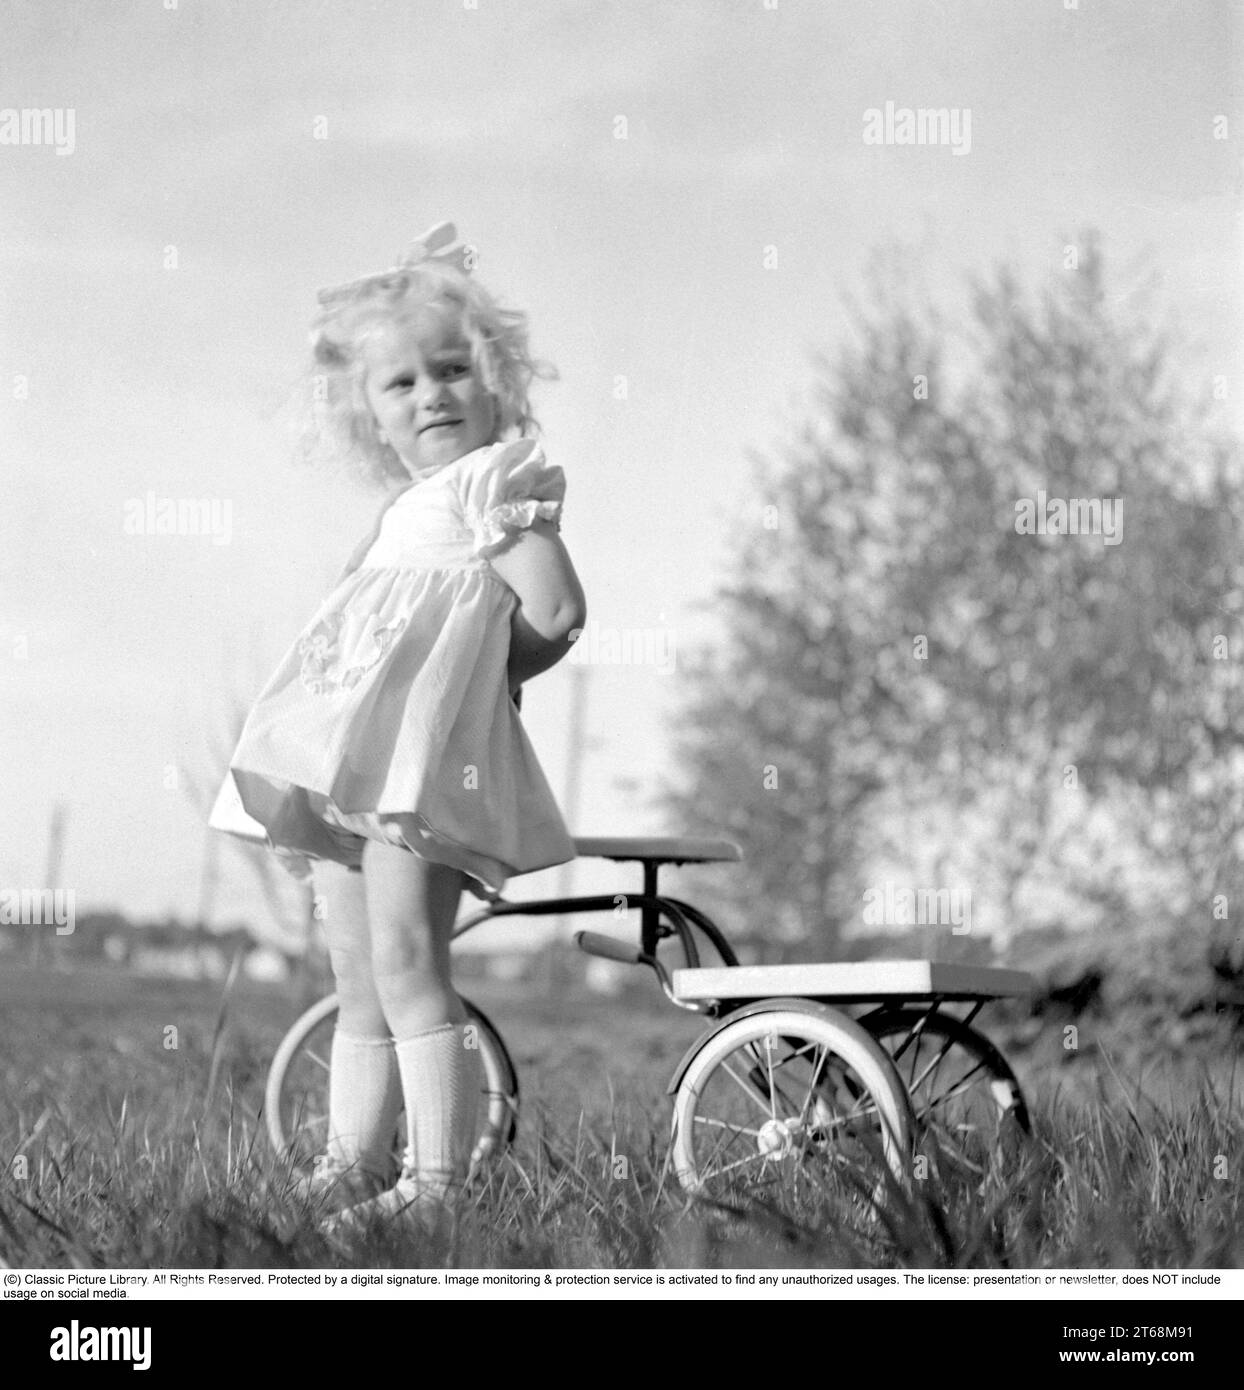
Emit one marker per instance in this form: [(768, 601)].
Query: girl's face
[(429, 403)]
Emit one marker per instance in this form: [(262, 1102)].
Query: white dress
[(390, 717)]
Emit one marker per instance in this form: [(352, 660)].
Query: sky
[(677, 194)]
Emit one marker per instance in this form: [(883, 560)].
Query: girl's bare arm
[(551, 605)]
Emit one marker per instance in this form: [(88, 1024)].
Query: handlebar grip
[(595, 944)]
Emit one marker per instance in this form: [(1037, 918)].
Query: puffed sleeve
[(507, 488)]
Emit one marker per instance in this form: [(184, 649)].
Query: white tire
[(791, 1092)]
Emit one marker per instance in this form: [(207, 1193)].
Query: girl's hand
[(551, 605)]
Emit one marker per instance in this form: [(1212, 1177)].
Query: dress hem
[(344, 843)]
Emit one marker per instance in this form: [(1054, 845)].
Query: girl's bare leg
[(364, 1086), (411, 907), (360, 1012)]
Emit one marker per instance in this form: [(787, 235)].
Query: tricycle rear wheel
[(965, 1098), (296, 1101)]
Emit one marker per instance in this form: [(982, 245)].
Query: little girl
[(389, 738)]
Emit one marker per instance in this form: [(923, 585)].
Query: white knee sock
[(364, 1098), (441, 1080)]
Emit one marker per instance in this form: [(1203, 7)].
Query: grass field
[(126, 1144)]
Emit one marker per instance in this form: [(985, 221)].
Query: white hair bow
[(439, 243)]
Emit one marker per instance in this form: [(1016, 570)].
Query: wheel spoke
[(953, 1150), (769, 1076), (822, 1055), (746, 1087), (824, 1095), (842, 1121), (865, 1111), (932, 1067), (962, 1100), (742, 1163), (723, 1124), (724, 1144), (957, 1088), (794, 1055)]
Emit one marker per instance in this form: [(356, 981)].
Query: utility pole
[(575, 743), (209, 880), (52, 871)]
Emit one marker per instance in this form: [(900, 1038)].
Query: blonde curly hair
[(337, 422)]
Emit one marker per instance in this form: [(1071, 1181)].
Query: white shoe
[(334, 1180), (427, 1204)]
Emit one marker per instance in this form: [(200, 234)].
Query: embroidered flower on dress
[(320, 653)]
